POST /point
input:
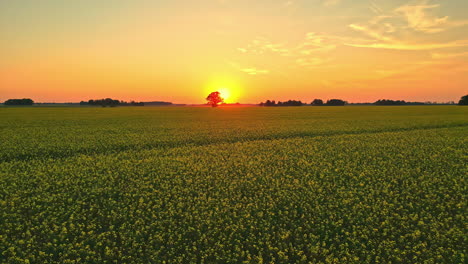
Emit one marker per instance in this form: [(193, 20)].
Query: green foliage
[(237, 185)]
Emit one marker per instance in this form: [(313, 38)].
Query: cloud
[(288, 3), (303, 53), (375, 8), (409, 46), (419, 18), (371, 33), (380, 41), (255, 71), (308, 62), (315, 43), (449, 55), (385, 30), (331, 2), (262, 45), (248, 70)]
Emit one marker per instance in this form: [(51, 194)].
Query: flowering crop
[(252, 185)]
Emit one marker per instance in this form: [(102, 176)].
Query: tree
[(463, 100), (336, 102), (105, 102), (317, 102), (390, 102), (279, 103), (24, 101), (214, 99)]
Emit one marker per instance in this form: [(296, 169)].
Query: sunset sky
[(179, 51)]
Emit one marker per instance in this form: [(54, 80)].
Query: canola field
[(234, 185)]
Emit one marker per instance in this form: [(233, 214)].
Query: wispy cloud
[(288, 3), (307, 62), (449, 55), (248, 70), (331, 2), (419, 17), (375, 8), (262, 45), (371, 33), (314, 43), (420, 20), (304, 53), (384, 28), (410, 46), (254, 71)]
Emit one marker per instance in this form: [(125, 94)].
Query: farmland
[(232, 185)]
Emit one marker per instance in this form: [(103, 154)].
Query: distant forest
[(339, 102), (111, 103), (24, 101), (317, 102)]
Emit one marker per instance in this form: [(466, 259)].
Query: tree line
[(397, 102), (316, 102), (111, 103), (339, 102), (24, 101)]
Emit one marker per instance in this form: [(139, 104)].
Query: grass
[(230, 185)]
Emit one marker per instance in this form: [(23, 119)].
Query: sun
[(225, 93), (229, 88)]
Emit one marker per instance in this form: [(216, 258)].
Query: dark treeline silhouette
[(111, 103), (336, 102), (24, 101), (286, 103), (331, 102), (397, 102), (463, 100), (158, 103), (317, 102)]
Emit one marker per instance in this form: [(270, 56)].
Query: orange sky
[(179, 51)]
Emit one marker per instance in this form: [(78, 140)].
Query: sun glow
[(225, 94), (228, 88)]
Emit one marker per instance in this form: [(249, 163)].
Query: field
[(233, 185)]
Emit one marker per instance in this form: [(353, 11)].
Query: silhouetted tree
[(269, 103), (398, 102), (463, 100), (390, 102), (287, 103), (336, 102), (24, 101), (292, 103), (105, 102), (111, 102), (214, 99), (317, 102)]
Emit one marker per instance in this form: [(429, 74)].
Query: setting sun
[(225, 94), (229, 89)]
